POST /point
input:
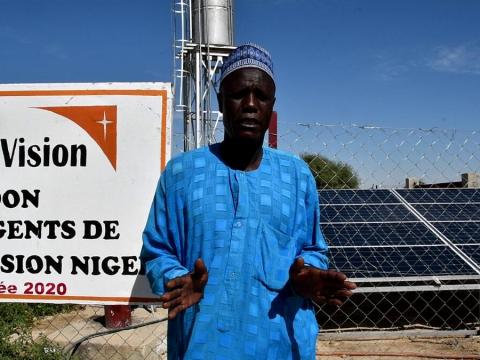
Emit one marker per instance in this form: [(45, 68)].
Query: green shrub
[(330, 174), (16, 321)]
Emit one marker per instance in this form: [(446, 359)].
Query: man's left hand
[(321, 286)]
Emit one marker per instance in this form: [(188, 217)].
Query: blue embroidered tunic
[(248, 227)]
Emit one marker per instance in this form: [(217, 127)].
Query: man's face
[(246, 100)]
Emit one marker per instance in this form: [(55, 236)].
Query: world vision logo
[(100, 122)]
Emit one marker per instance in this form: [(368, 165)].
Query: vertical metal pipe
[(188, 102), (183, 104), (208, 110), (230, 25), (198, 76), (182, 47), (198, 94), (190, 20)]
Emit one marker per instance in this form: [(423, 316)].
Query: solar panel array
[(403, 233)]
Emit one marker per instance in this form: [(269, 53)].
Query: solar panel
[(399, 261), (365, 213), (347, 196), (460, 232), (403, 233), (473, 251), (372, 234), (449, 212), (440, 195)]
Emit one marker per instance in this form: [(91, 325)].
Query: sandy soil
[(401, 348)]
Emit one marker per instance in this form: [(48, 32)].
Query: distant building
[(469, 180)]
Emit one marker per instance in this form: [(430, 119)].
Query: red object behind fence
[(272, 131), (117, 316)]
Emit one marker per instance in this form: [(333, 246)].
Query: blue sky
[(406, 63)]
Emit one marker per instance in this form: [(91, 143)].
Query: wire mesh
[(413, 252), (405, 248)]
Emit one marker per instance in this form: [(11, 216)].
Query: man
[(232, 243)]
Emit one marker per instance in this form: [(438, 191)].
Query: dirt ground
[(404, 347)]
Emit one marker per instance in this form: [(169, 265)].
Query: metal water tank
[(212, 22)]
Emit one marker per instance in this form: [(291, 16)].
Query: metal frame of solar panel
[(405, 239)]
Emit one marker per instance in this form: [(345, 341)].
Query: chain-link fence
[(414, 252)]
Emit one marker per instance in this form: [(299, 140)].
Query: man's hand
[(185, 291), (322, 286)]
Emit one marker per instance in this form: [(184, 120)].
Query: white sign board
[(79, 164)]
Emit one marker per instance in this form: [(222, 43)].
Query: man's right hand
[(185, 291)]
